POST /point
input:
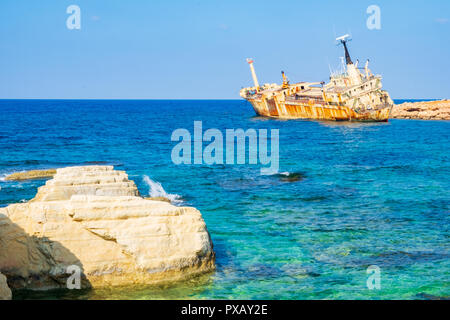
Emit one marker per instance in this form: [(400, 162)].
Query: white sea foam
[(268, 172), (8, 173), (157, 190)]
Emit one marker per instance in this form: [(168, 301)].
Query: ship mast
[(348, 60), (252, 69), (343, 40), (285, 81), (352, 71)]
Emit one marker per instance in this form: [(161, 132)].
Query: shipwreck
[(350, 95)]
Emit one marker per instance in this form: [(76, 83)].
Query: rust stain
[(310, 110)]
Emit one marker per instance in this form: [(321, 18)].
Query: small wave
[(4, 175), (287, 176), (157, 190), (269, 172)]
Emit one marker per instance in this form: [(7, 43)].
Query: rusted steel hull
[(298, 110)]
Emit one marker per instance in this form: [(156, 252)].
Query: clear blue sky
[(196, 49)]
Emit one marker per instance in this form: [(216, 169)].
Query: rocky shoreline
[(5, 291), (424, 110), (93, 218), (30, 175)]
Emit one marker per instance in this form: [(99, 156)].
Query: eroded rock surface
[(93, 217), (5, 292), (425, 110)]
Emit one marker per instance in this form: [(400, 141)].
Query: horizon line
[(172, 99)]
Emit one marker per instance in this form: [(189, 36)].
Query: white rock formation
[(5, 292), (94, 218)]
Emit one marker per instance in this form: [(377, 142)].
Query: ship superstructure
[(350, 95)]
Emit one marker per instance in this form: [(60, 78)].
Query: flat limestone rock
[(5, 291), (33, 174), (89, 180), (159, 199), (424, 110), (93, 218)]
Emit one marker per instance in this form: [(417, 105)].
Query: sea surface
[(348, 195)]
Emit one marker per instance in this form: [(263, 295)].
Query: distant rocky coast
[(425, 110)]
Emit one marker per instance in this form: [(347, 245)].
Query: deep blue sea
[(351, 195)]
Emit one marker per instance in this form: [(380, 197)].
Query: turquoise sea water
[(353, 195)]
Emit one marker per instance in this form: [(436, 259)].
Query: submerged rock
[(426, 296), (5, 292), (290, 176), (93, 218), (425, 110), (33, 174)]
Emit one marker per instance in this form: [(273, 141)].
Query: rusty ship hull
[(316, 111)]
